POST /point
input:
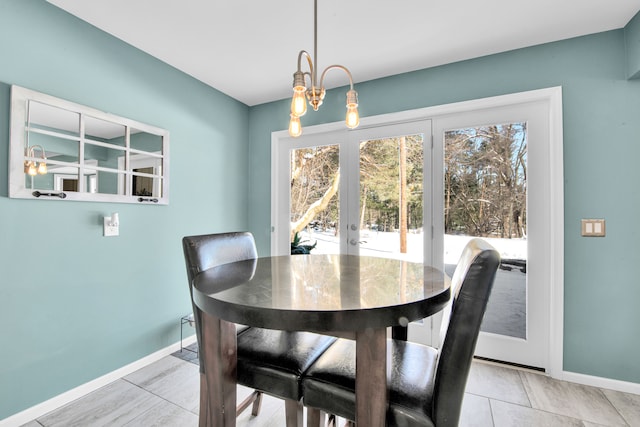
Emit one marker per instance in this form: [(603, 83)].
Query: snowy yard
[(387, 244)]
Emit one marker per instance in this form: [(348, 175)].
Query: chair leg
[(257, 404), (293, 413), (315, 417), (254, 398), (181, 325)]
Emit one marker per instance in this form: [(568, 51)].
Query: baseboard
[(617, 385), (588, 380), (60, 400)]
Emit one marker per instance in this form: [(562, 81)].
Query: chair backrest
[(471, 286), (210, 250)]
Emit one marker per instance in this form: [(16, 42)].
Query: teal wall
[(601, 146), (75, 305)]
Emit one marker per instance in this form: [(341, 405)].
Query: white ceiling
[(248, 49)]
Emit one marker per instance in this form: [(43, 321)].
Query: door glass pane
[(485, 195), (391, 197), (315, 181)]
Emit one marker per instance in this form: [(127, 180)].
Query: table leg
[(204, 403), (399, 333), (371, 377), (219, 349)]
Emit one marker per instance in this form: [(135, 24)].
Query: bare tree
[(315, 180), (390, 185), (485, 180), (403, 203), (316, 207)]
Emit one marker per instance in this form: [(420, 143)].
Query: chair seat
[(273, 361), (330, 383)]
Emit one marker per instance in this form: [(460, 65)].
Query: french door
[(359, 192), (419, 189), (493, 181)]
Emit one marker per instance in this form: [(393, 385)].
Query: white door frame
[(555, 209)]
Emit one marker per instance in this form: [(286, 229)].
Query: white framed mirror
[(63, 150)]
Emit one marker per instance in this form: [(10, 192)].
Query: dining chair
[(426, 385), (269, 361)]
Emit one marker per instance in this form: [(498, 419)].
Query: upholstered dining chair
[(268, 361), (426, 385)]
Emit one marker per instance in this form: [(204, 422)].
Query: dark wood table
[(349, 296)]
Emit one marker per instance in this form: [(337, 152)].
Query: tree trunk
[(403, 195), (316, 207), (364, 207)]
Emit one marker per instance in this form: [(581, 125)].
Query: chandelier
[(315, 92)]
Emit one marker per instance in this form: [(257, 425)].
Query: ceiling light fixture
[(315, 93)]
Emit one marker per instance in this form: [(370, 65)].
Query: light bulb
[(295, 128), (298, 102), (32, 169), (42, 168), (353, 118)]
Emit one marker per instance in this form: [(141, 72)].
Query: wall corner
[(632, 47)]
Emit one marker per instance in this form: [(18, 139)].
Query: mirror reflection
[(87, 154)]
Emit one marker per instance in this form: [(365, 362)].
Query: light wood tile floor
[(166, 394)]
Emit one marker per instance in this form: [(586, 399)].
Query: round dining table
[(356, 297)]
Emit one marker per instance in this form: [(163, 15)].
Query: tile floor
[(166, 394)]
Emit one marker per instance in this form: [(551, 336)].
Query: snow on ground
[(508, 248), (387, 244)]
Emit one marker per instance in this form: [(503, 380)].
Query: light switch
[(593, 228)]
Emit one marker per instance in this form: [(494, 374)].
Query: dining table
[(357, 297)]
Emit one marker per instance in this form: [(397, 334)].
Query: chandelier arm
[(305, 54), (341, 68)]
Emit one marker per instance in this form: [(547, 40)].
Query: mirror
[(62, 150)]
